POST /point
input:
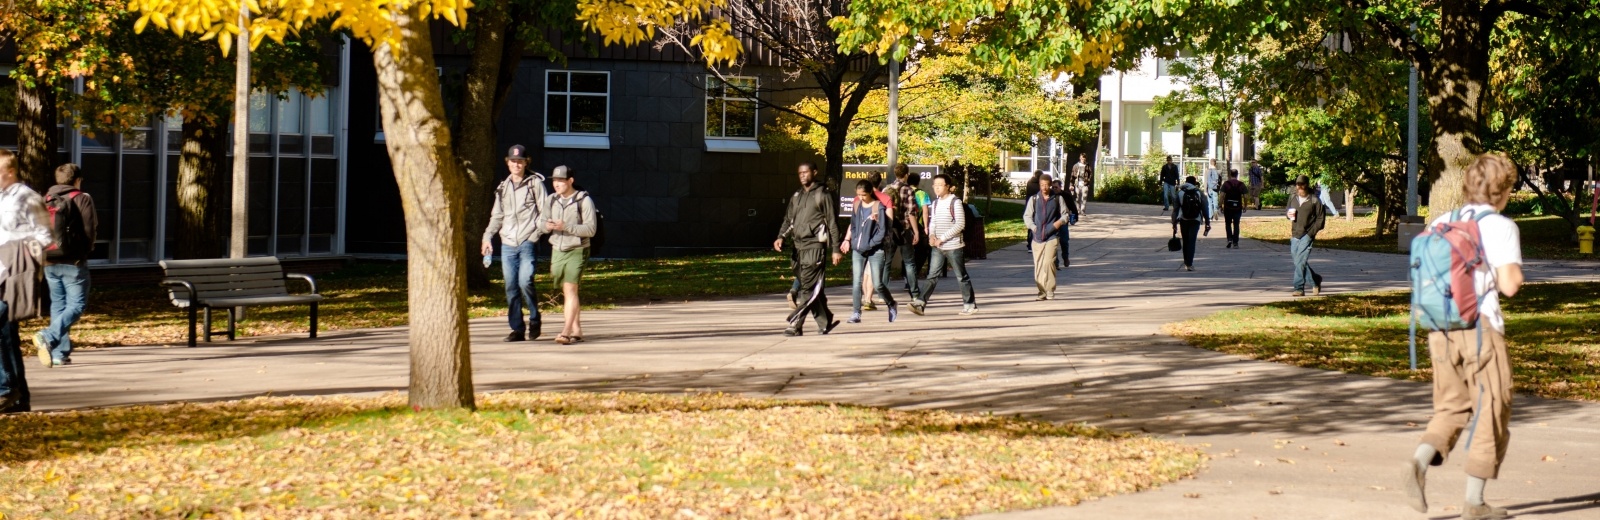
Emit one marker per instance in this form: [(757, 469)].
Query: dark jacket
[(868, 230), (23, 286), (812, 219), (1169, 174), (1233, 193), (1205, 204), (91, 221), (1309, 216)]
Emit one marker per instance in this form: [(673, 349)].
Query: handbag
[(1175, 244)]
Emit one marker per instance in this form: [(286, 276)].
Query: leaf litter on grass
[(560, 455)]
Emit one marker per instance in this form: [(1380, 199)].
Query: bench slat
[(219, 271), (293, 299), (261, 291), (220, 262), (198, 281)]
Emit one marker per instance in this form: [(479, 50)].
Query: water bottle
[(488, 260)]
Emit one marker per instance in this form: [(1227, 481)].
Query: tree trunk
[(432, 187), (200, 197), (1457, 77), (37, 135), (833, 154), (476, 146)]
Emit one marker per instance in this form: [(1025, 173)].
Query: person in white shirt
[(946, 221), (24, 233), (1213, 183), (1472, 379)]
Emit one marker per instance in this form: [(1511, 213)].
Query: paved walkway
[(1286, 442)]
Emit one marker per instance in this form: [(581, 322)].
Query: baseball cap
[(561, 172), (517, 153)]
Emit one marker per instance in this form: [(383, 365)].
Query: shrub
[(1274, 197)]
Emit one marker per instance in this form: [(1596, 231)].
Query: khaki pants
[(1044, 267), (1471, 394)]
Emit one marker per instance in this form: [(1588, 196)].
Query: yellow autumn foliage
[(371, 20)]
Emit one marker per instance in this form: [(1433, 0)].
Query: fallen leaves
[(560, 455)]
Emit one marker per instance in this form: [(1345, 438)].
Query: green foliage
[(1133, 185)]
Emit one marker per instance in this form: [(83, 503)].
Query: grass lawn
[(559, 455), (1553, 331), (1543, 237), (373, 294)]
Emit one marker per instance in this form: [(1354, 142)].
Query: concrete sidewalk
[(1286, 442)]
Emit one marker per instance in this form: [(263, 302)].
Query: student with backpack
[(1192, 210), (947, 219), (74, 225), (1309, 216), (1045, 214), (571, 221), (908, 225), (1460, 266), (515, 217), (866, 241), (1233, 193), (886, 203)]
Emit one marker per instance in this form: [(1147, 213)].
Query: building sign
[(856, 172)]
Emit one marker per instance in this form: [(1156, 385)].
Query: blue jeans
[(957, 258), (69, 294), (1168, 191), (878, 262), (517, 263), (1300, 251), (13, 379), (909, 263)]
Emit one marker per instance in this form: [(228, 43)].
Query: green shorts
[(567, 266)]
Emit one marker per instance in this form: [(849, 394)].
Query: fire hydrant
[(1586, 240)]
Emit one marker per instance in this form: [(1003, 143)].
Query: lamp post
[(239, 233)]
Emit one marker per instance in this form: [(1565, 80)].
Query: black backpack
[(69, 239), (1193, 209), (599, 238)]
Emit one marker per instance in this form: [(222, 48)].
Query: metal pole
[(894, 109), (1411, 140), (238, 238)]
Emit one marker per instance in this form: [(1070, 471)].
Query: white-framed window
[(577, 109), (732, 114)]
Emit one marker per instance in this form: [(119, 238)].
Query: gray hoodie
[(578, 214), (517, 210)]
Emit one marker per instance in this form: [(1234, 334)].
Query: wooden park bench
[(232, 283)]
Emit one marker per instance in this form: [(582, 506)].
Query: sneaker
[(868, 306), (894, 312), (855, 317), (61, 362), (1484, 512), (917, 306), (1316, 286), (1039, 298), (791, 331), (43, 348), (794, 302), (1414, 482), (969, 310), (1188, 268), (513, 337), (829, 328), (1298, 293)]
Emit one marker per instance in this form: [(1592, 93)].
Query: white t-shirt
[(1502, 246)]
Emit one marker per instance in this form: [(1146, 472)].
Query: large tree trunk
[(431, 191), (37, 135), (200, 197), (476, 146), (1457, 77), (833, 153)]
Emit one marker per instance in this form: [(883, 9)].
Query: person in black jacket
[(1192, 210), (1306, 210), (812, 223), (1169, 184)]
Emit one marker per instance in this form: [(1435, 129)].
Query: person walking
[(1079, 184), (1031, 189), (886, 203), (1472, 382), (1045, 214), (1169, 184), (812, 223), (1192, 210), (1258, 181), (1064, 236), (516, 218), (865, 242), (570, 220), (908, 225), (1233, 193), (24, 233), (1213, 183), (66, 267), (947, 219), (1308, 214)]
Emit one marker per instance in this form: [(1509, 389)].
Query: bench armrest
[(186, 285), (305, 277)]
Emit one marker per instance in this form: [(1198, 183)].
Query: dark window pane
[(175, 141), (138, 209), (322, 145), (322, 244), (8, 98), (556, 81), (291, 205), (259, 143), (555, 113), (324, 196), (714, 117), (291, 144), (100, 181), (741, 119), (260, 212), (97, 140), (589, 114), (713, 86), (256, 246), (8, 134), (589, 82)]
